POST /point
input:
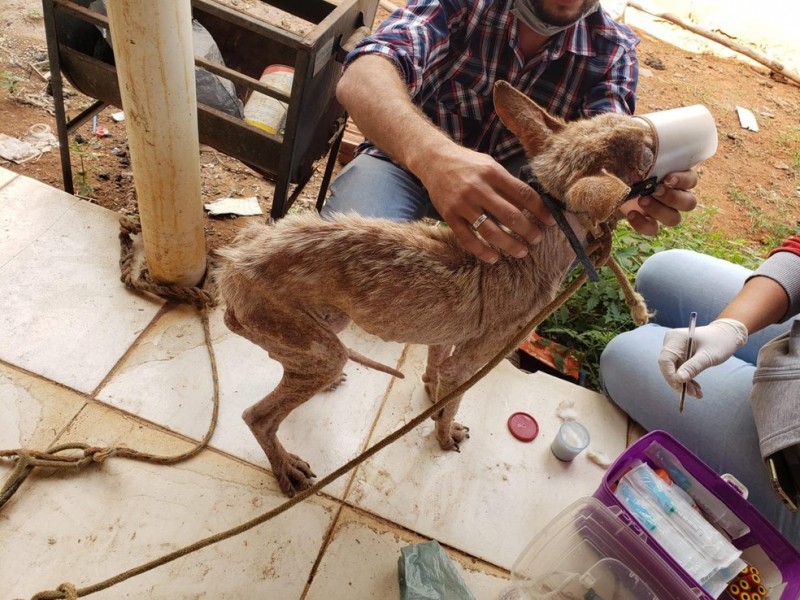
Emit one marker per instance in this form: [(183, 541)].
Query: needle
[(689, 344)]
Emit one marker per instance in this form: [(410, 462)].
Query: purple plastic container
[(735, 514)]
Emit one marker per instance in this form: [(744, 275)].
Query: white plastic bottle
[(266, 112)]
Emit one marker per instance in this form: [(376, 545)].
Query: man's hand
[(713, 344), (671, 197), (465, 184)]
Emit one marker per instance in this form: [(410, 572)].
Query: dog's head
[(589, 164)]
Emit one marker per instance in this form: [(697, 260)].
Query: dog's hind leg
[(264, 418), (312, 358)]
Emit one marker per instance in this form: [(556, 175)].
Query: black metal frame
[(315, 121)]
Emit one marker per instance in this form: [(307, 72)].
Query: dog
[(292, 287)]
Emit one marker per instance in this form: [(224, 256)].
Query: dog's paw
[(457, 434), (295, 475)]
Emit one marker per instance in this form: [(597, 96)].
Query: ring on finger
[(479, 221)]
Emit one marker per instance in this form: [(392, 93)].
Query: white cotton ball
[(599, 458)]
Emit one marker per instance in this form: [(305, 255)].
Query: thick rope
[(27, 460), (639, 312), (144, 283), (599, 250)]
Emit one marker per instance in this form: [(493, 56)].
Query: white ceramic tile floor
[(83, 359), (65, 315)]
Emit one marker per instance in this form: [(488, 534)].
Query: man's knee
[(664, 265)]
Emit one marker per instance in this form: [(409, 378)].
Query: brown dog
[(292, 287)]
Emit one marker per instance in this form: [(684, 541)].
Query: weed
[(84, 156), (597, 312), (790, 141), (9, 82), (740, 198)]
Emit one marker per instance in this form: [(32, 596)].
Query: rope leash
[(600, 251), (60, 457)]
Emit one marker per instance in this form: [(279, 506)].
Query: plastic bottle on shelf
[(266, 112)]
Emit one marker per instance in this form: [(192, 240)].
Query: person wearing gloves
[(738, 312), (420, 89)]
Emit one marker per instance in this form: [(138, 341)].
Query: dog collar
[(557, 208)]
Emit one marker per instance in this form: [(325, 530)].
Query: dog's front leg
[(436, 354), (463, 363)]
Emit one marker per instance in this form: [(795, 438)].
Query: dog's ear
[(524, 118), (596, 196)]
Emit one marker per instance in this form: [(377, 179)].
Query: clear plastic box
[(588, 552)]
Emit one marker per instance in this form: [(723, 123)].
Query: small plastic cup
[(572, 439)]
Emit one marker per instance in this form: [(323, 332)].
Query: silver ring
[(479, 221)]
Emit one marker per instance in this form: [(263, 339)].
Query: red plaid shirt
[(451, 52)]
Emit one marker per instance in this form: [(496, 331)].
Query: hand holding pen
[(681, 361)]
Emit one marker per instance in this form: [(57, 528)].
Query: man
[(420, 89)]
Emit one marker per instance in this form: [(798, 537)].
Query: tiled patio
[(84, 359)]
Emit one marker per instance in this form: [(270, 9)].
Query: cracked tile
[(34, 411), (66, 316), (361, 562), (28, 209)]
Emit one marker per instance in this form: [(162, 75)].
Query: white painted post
[(152, 42)]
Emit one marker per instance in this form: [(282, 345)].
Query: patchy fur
[(292, 287)]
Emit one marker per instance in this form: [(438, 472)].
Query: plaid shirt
[(451, 52)]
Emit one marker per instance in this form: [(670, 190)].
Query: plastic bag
[(212, 90), (426, 573)]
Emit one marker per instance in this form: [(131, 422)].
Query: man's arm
[(462, 184), (761, 302)]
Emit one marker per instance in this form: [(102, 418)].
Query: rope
[(27, 460), (641, 315), (144, 283), (600, 251)]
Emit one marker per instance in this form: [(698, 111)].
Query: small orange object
[(748, 585), (664, 475), (554, 355)]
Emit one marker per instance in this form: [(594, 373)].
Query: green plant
[(597, 311), (9, 82), (790, 140), (84, 156)]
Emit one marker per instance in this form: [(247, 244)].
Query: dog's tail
[(372, 364)]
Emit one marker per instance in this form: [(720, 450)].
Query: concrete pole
[(152, 42)]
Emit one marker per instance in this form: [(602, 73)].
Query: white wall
[(770, 26)]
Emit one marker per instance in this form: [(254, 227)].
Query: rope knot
[(99, 454), (70, 591)]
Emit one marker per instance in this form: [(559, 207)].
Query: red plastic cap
[(523, 426)]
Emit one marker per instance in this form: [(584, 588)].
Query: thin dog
[(291, 288)]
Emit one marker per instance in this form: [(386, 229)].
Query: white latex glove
[(713, 344)]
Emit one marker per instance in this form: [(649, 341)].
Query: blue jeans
[(376, 187), (719, 429)]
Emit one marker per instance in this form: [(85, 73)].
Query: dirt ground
[(752, 184)]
